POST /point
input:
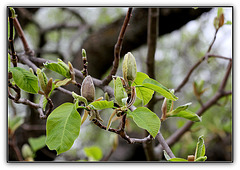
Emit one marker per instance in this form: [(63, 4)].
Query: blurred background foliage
[(176, 53)]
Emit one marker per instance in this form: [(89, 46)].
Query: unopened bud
[(42, 79), (129, 68), (26, 151), (88, 89), (119, 92), (84, 53)]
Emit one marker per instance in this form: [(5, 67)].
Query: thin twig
[(215, 36), (13, 143), (123, 134), (117, 48), (22, 37), (14, 58)]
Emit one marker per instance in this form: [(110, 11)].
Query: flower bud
[(129, 68), (88, 89)]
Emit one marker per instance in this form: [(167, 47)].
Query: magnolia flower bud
[(129, 68), (88, 89)]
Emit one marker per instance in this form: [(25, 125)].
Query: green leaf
[(37, 143), (156, 86), (178, 160), (14, 123), (228, 23), (59, 68), (63, 82), (25, 80), (63, 126), (143, 93), (181, 108), (94, 153), (104, 104), (146, 119), (119, 91), (187, 114), (201, 159), (200, 149)]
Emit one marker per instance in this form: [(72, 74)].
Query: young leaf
[(25, 80), (146, 119), (200, 149), (59, 68), (63, 126), (177, 160), (143, 93), (156, 86), (187, 114), (15, 122), (37, 143), (80, 98), (166, 155), (201, 159), (62, 82), (99, 105), (119, 91), (228, 23), (94, 153)]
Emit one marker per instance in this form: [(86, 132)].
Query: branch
[(152, 34), (14, 58), (164, 145), (153, 14), (123, 134), (117, 48), (214, 38), (177, 135), (22, 37)]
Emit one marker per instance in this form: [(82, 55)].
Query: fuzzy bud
[(88, 89), (129, 68)]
